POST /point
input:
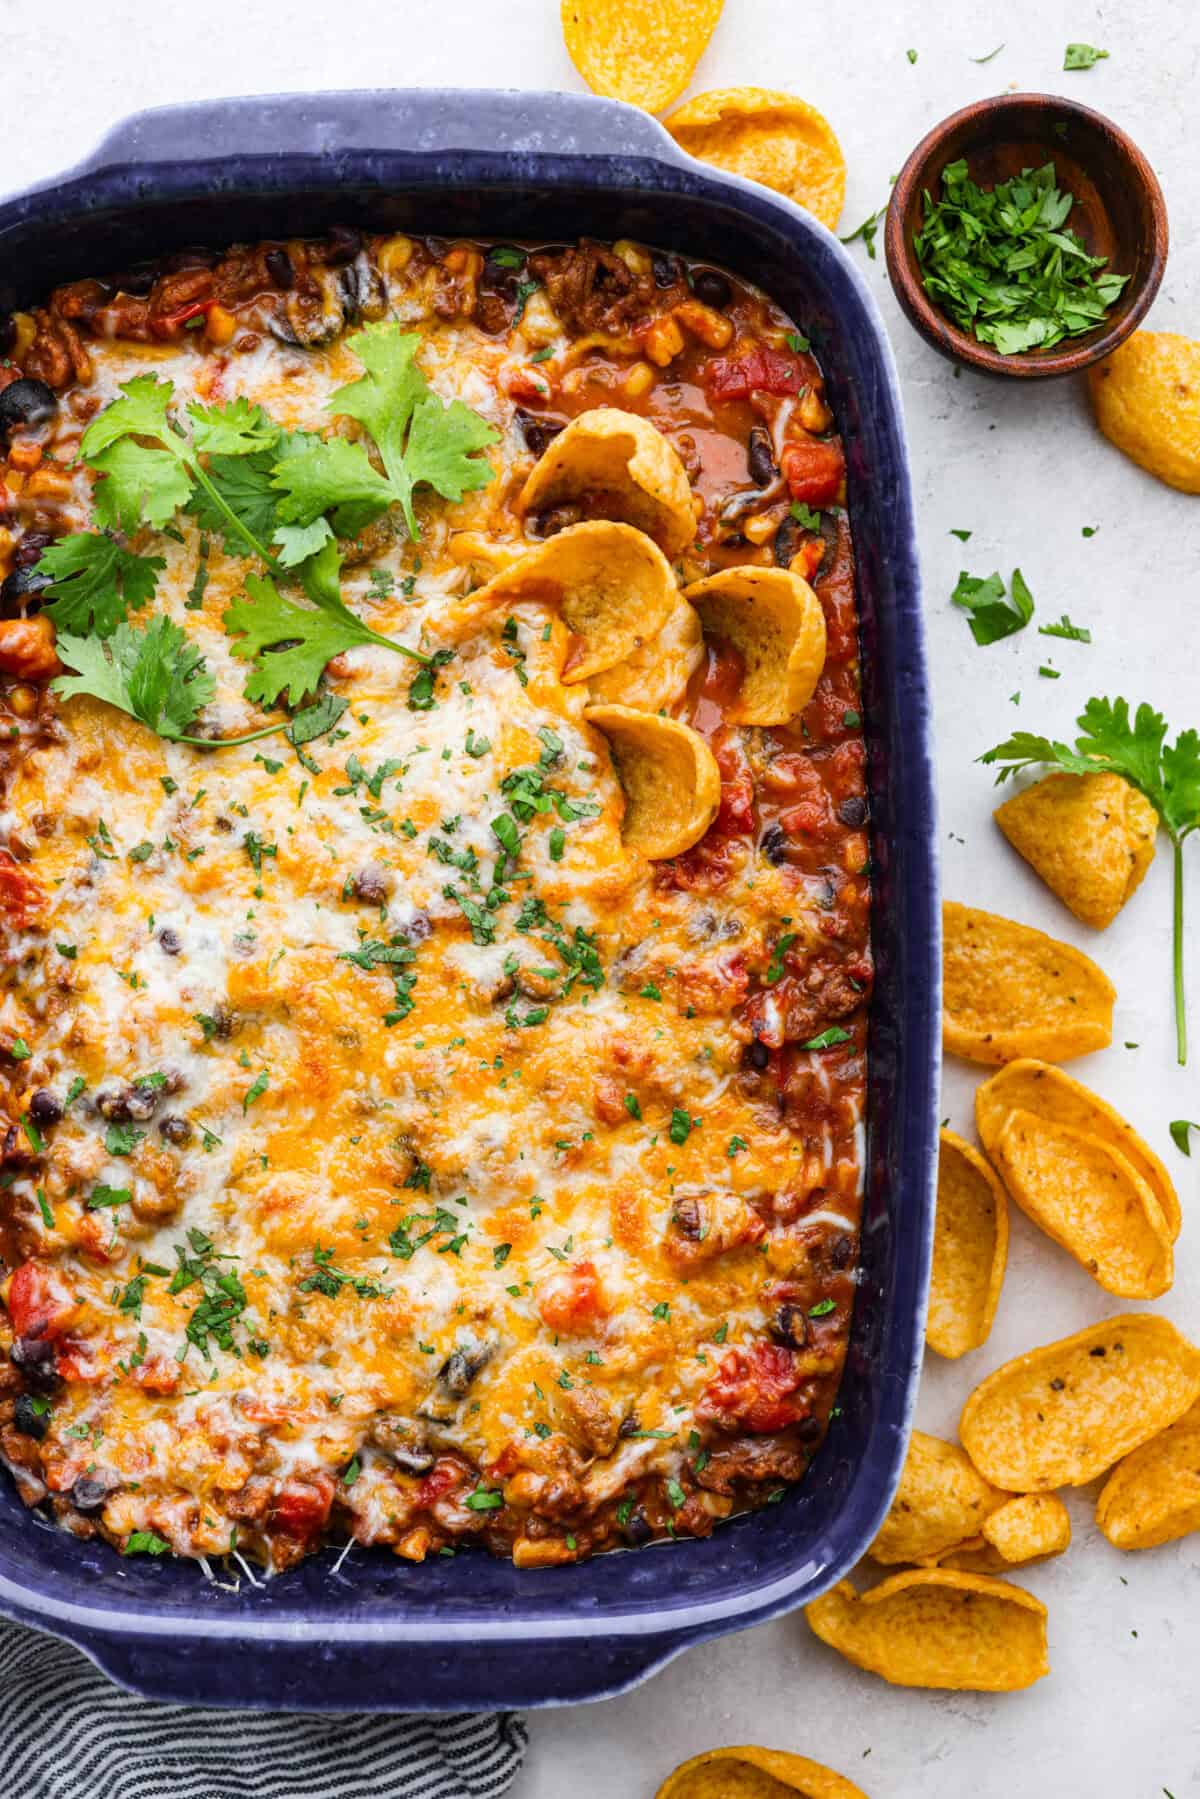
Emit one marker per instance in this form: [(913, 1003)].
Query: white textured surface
[(1024, 470)]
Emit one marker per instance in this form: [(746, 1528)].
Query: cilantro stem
[(1181, 1042), (226, 743), (227, 512)]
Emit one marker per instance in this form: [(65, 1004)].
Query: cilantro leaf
[(155, 675), (96, 583), (993, 612), (148, 482), (236, 429), (244, 484), (292, 643), (1082, 56), (142, 485), (1002, 263), (1167, 773), (392, 399), (320, 475)]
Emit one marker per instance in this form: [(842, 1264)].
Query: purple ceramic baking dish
[(376, 1633)]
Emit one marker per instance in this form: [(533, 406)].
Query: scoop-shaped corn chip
[(770, 137), (612, 586), (642, 51), (1060, 1415), (1032, 1086), (942, 1499), (1090, 837), (937, 1627), (617, 465), (774, 621), (670, 777), (655, 678), (970, 1250), (1010, 991), (1154, 1495), (1146, 397), (748, 1772), (1084, 1194), (1027, 1528)]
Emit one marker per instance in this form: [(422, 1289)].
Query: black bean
[(668, 270), (629, 1426), (687, 1219), (176, 1130), (372, 886), (342, 244), (536, 432), (758, 1055), (29, 1419), (136, 282), (26, 402), (45, 1108), (636, 1530), (809, 1430), (89, 1494), (30, 548), (774, 844), (113, 1104), (143, 1102), (760, 457), (420, 926), (789, 1326), (460, 1368), (169, 941), (788, 539), (18, 594), (34, 1356), (225, 1020), (713, 288), (841, 1252), (279, 268), (853, 811)]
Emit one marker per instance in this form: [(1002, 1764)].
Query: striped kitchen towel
[(66, 1732)]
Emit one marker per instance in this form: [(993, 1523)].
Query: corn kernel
[(24, 332), (221, 324), (639, 380), (759, 529), (711, 327), (22, 701), (24, 454), (813, 413), (633, 256), (395, 254), (663, 342)]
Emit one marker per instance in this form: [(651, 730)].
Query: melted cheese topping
[(389, 1086)]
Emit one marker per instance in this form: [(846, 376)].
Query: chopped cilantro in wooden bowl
[(1026, 236)]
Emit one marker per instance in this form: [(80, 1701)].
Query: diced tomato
[(444, 1477), (302, 1505), (762, 371), (572, 1299), (39, 1304), (168, 323), (157, 1374), (814, 471), (22, 898), (756, 1389)]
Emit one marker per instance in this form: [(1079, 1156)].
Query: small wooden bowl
[(1119, 213)]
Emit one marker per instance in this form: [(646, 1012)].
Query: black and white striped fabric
[(67, 1733)]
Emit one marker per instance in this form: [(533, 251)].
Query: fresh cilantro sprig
[(150, 469), (1167, 773), (993, 613), (421, 442), (95, 583), (290, 644), (1002, 263), (155, 675)]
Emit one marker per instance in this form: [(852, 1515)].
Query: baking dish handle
[(427, 121)]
